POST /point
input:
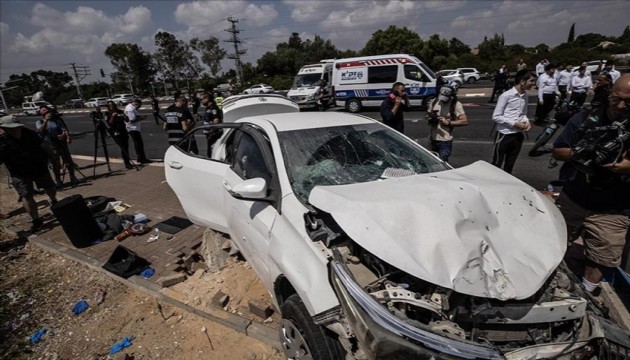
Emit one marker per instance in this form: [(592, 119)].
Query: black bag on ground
[(125, 263), (76, 221)]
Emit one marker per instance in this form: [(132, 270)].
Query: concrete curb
[(244, 326)]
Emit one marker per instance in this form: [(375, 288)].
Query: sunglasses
[(616, 100)]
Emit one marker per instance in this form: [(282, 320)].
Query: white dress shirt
[(511, 108), (546, 85), (132, 115), (540, 69), (614, 74), (581, 84), (564, 78)]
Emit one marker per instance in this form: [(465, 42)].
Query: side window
[(383, 74), (326, 77), (412, 72), (249, 162)]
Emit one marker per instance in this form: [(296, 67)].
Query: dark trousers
[(122, 140), (156, 116), (443, 148), (497, 90), (578, 98), (138, 145), (563, 92), (506, 150), (549, 101), (398, 125)]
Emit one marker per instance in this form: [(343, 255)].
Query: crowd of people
[(595, 200)]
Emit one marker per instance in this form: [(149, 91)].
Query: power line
[(80, 73), (237, 53)]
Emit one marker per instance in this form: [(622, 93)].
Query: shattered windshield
[(350, 154), (307, 80)]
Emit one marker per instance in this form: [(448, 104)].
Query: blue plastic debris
[(147, 273), (80, 307), (37, 336), (125, 342)]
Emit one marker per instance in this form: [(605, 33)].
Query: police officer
[(212, 115)]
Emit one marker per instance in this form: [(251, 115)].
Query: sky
[(51, 34)]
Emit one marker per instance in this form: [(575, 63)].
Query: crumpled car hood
[(476, 230)]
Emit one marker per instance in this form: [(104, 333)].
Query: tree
[(133, 65), (210, 53), (492, 49), (393, 40), (571, 34), (457, 47), (175, 58), (435, 51)]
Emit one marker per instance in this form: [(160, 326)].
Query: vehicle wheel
[(301, 338), (353, 105), (541, 140), (471, 80)]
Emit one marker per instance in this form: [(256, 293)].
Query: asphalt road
[(472, 143)]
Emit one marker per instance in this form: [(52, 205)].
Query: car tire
[(471, 80), (301, 338), (426, 101), (354, 105)]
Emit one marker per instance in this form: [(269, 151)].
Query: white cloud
[(212, 14)]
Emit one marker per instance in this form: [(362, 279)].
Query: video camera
[(601, 145), (433, 117)]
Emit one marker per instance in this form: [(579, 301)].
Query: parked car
[(470, 74), (222, 88), (372, 247), (453, 76), (123, 99), (94, 102), (594, 67), (73, 104), (259, 89), (31, 108)]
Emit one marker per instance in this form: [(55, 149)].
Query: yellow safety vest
[(219, 101)]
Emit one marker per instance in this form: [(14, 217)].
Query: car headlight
[(368, 318), (311, 96)]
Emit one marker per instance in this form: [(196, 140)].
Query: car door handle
[(227, 186), (175, 165)]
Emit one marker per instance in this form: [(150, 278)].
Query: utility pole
[(80, 72), (237, 53)]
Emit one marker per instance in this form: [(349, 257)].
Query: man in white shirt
[(580, 84), (609, 68), (547, 92), (540, 69), (510, 116), (133, 128), (564, 81)]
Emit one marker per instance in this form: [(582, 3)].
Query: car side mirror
[(251, 189)]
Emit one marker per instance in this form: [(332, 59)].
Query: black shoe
[(37, 224), (129, 166)]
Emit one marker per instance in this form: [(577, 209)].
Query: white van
[(365, 81), (306, 83), (32, 108)]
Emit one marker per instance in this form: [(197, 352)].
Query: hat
[(9, 121), (446, 91)]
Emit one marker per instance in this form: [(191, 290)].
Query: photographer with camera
[(510, 116), (393, 106), (52, 129), (26, 157), (444, 114), (595, 199), (116, 120)]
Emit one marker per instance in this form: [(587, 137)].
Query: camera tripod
[(68, 165), (101, 130)]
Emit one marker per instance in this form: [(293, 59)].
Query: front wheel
[(301, 338), (353, 105), (541, 141)]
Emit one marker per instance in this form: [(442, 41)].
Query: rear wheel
[(353, 105), (471, 80), (427, 100), (301, 338)]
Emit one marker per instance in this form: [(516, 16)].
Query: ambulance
[(365, 81), (305, 86)]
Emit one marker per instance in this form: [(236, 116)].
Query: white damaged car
[(373, 248)]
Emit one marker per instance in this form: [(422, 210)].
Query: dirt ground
[(38, 290)]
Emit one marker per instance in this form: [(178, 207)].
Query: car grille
[(298, 98)]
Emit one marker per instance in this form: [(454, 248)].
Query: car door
[(251, 221), (416, 84), (198, 180)]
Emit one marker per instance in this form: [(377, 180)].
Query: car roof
[(302, 121)]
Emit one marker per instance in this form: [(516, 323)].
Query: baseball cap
[(446, 91), (9, 121)]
